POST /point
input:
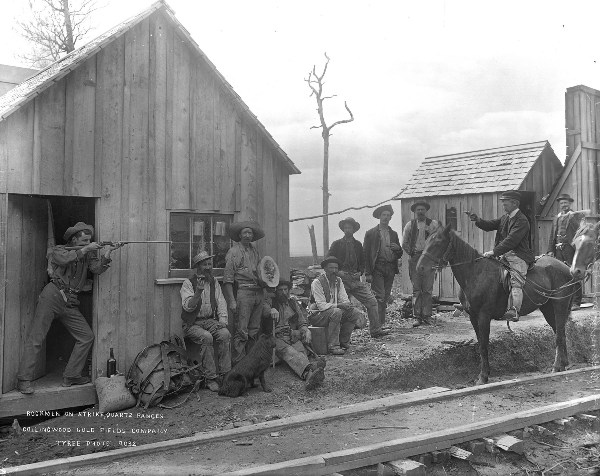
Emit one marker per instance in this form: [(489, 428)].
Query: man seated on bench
[(204, 315), (331, 307), (291, 332)]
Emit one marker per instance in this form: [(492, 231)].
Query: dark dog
[(254, 364)]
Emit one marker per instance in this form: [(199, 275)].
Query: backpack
[(160, 370)]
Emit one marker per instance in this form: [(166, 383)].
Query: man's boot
[(315, 374), (25, 387), (512, 315)]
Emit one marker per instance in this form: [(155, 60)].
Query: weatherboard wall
[(145, 127)]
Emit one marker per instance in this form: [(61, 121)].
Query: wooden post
[(313, 243)]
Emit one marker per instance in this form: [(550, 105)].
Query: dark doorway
[(66, 212), (527, 207)]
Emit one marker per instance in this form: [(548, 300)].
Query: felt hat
[(420, 202), (283, 282), (383, 208), (202, 256), (352, 222), (510, 195), (330, 259), (79, 226), (564, 196), (236, 228)]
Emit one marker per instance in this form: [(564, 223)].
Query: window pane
[(180, 228), (201, 234), (180, 256), (221, 241)]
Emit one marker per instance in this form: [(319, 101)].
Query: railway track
[(354, 436)]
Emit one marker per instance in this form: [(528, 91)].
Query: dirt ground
[(444, 354)]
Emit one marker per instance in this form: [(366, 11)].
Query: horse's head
[(436, 247), (586, 248)]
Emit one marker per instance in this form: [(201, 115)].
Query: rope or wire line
[(349, 208)]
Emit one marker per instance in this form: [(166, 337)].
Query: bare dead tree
[(54, 28), (315, 83)]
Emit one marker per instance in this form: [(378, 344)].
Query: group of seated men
[(206, 305)]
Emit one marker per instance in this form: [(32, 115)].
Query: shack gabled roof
[(481, 171), (32, 87)]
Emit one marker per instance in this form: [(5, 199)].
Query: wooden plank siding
[(146, 127)]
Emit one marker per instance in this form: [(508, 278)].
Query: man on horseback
[(511, 243)]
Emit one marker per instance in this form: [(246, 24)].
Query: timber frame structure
[(125, 132)]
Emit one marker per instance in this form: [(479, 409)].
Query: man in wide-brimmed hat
[(512, 242), (291, 334), (415, 233), (331, 308), (564, 227), (382, 251), (69, 266), (241, 268), (349, 252), (205, 318)]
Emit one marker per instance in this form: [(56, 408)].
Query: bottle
[(111, 364)]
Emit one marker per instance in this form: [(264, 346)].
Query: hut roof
[(32, 87), (481, 171)]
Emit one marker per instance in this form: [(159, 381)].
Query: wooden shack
[(579, 178), (473, 181), (138, 133)]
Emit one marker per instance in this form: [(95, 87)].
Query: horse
[(484, 297), (586, 249)]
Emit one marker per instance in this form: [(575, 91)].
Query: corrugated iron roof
[(481, 171), (32, 87)]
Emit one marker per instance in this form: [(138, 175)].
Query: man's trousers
[(294, 355), (206, 334), (422, 284), (365, 296), (250, 310), (383, 279), (339, 324), (51, 305)]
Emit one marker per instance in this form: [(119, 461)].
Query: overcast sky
[(422, 78)]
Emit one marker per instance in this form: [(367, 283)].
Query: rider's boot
[(511, 315)]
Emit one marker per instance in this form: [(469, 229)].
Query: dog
[(254, 364)]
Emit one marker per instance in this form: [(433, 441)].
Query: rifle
[(115, 243)]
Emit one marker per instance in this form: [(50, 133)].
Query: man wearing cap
[(512, 243), (205, 319), (564, 227), (349, 252), (248, 304), (69, 266), (415, 233), (382, 251), (291, 333), (331, 307)]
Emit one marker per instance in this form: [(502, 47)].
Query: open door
[(26, 267)]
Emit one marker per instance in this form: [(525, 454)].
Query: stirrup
[(509, 316)]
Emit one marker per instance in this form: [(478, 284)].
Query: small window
[(192, 233), (451, 218)]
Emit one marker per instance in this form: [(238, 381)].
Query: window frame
[(190, 215)]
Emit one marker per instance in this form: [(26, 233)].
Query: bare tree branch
[(343, 121), (315, 83), (55, 28)]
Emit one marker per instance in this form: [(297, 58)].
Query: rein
[(539, 289)]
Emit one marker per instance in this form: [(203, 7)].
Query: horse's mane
[(588, 229), (463, 251)]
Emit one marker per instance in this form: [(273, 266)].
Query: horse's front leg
[(483, 336), (561, 360)]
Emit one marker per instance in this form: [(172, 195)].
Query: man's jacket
[(573, 222), (371, 249), (513, 234), (338, 249)]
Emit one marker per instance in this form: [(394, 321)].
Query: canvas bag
[(160, 370)]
